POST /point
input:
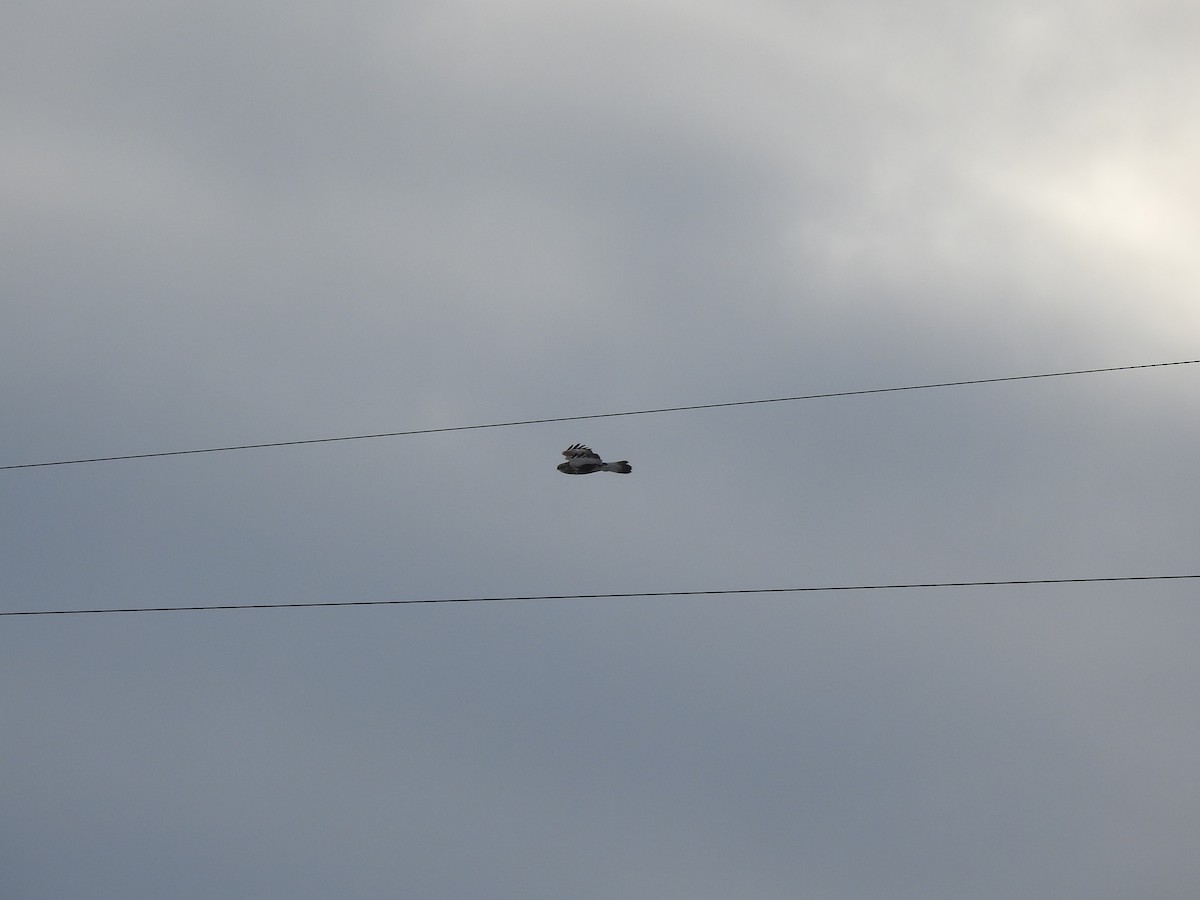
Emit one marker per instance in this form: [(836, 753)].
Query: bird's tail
[(621, 468)]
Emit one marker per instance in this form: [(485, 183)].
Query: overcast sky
[(246, 221)]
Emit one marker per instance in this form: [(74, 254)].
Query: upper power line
[(1024, 582), (610, 415)]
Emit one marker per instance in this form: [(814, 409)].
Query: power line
[(728, 592), (611, 415)]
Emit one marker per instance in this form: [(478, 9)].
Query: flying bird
[(583, 460)]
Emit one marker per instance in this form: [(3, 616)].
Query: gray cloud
[(235, 223)]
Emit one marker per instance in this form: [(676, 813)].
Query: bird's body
[(583, 460)]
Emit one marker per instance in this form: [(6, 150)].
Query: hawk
[(583, 460)]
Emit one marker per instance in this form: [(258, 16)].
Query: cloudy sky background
[(251, 221)]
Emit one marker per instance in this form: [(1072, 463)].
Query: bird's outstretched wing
[(579, 451)]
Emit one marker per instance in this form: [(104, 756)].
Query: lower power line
[(510, 599)]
